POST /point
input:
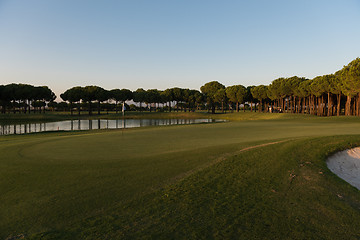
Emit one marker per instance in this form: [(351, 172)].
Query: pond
[(72, 125)]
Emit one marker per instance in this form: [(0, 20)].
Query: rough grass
[(180, 182)]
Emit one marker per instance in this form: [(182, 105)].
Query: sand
[(346, 164)]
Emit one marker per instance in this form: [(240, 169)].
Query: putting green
[(54, 182)]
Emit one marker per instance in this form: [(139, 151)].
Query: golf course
[(256, 176)]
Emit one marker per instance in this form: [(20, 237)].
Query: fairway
[(263, 178)]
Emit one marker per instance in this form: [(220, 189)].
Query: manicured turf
[(181, 181)]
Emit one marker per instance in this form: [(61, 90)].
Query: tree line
[(20, 97), (184, 99), (327, 95)]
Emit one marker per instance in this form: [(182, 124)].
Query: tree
[(25, 95), (220, 97), (260, 93), (72, 95), (139, 96), (236, 94), (350, 77), (152, 96), (249, 97), (303, 92), (178, 96), (10, 94), (120, 96), (191, 98), (275, 92), (168, 96), (101, 95), (317, 89), (89, 94), (292, 87), (199, 99), (330, 84), (209, 90)]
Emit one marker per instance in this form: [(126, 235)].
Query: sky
[(166, 43)]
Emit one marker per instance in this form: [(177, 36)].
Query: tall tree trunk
[(90, 112), (312, 108), (348, 106), (237, 106), (251, 106), (320, 105), (29, 106), (294, 105), (14, 108), (338, 104), (358, 105), (328, 105), (303, 105), (353, 106), (331, 105), (71, 108)]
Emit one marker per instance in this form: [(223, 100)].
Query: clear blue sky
[(168, 43)]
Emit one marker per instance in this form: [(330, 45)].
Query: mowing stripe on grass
[(219, 159)]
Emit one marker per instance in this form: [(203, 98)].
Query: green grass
[(182, 182)]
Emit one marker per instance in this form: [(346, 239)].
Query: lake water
[(71, 125)]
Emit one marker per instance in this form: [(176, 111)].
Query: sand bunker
[(346, 165)]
